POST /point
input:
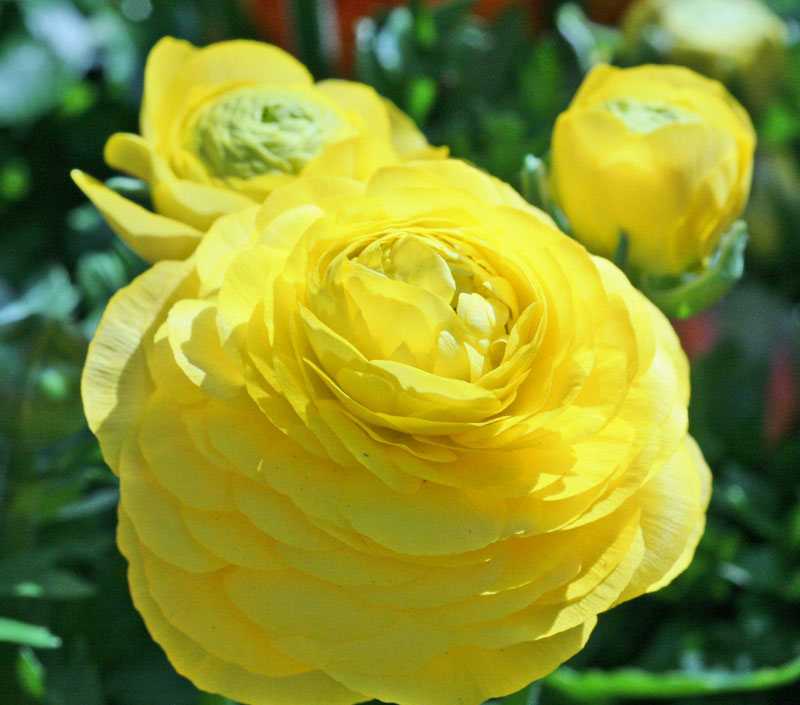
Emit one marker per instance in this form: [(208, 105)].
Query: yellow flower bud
[(223, 126), (657, 153), (397, 439)]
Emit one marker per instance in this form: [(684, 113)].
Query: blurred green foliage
[(727, 631)]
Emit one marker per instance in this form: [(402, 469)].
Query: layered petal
[(399, 439)]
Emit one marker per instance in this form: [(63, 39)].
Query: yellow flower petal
[(152, 236), (214, 674), (116, 383)]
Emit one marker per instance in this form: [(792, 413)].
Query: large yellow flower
[(225, 125), (401, 439), (658, 153)]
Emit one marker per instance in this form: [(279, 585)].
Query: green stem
[(307, 20), (628, 684)]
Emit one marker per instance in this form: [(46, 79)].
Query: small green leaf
[(33, 635), (422, 93), (77, 99), (30, 673), (15, 180), (424, 29), (100, 501), (779, 125)]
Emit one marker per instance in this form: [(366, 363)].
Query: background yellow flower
[(223, 126), (400, 439), (740, 41)]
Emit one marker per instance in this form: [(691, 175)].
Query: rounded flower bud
[(223, 126), (658, 154), (740, 40), (400, 439)]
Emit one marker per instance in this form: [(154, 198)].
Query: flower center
[(457, 310), (647, 116), (261, 130)]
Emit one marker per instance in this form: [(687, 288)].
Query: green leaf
[(15, 179), (592, 43), (51, 584), (78, 99), (691, 293), (51, 296), (33, 635), (30, 673), (96, 503), (543, 81), (99, 275), (505, 138), (629, 683), (779, 125), (422, 93)]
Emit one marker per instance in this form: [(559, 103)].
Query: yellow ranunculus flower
[(401, 439), (223, 126), (659, 153), (725, 39)]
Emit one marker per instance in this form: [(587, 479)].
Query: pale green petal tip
[(645, 116)]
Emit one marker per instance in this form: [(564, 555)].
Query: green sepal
[(533, 182), (623, 250), (690, 293), (535, 189)]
